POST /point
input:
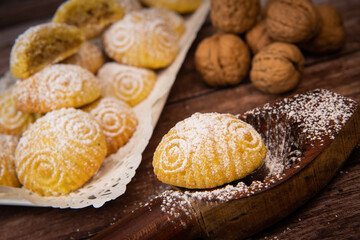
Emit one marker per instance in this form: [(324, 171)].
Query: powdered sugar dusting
[(127, 83), (304, 121)]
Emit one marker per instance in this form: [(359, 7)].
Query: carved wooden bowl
[(308, 136)]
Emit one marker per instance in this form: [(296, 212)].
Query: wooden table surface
[(334, 213)]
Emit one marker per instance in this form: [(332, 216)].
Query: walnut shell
[(331, 36), (257, 38), (222, 59), (292, 21), (277, 68), (234, 16)]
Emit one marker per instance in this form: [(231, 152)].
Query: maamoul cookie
[(129, 84), (12, 121), (55, 87), (89, 57), (43, 45), (174, 19), (117, 119), (8, 176), (91, 16), (208, 150), (180, 6), (143, 40), (130, 5), (60, 152)]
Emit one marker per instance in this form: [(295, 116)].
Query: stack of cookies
[(78, 79)]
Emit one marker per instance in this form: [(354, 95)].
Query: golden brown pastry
[(55, 87), (60, 152), (175, 20), (293, 21), (43, 45), (12, 121), (126, 83), (91, 16), (8, 176), (208, 150), (89, 57), (180, 6), (222, 59), (141, 40), (117, 120), (130, 5)]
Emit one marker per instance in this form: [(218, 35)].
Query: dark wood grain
[(334, 213)]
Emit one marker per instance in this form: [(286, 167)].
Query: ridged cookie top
[(117, 119), (129, 84), (55, 87), (42, 45), (12, 121), (8, 176), (143, 40), (180, 6), (60, 152), (208, 150)]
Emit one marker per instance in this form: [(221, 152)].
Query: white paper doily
[(118, 169)]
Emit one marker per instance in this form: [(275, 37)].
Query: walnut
[(222, 59), (277, 68), (292, 21), (332, 34), (257, 38), (234, 16)]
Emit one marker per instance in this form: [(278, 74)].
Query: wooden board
[(334, 213)]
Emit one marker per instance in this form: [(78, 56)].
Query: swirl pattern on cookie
[(208, 150), (12, 121), (55, 87), (8, 176), (175, 20), (143, 40), (129, 84), (117, 119), (43, 45), (90, 16), (89, 57), (60, 152)]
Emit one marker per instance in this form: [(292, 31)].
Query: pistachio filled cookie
[(8, 176), (60, 152), (91, 16), (129, 84), (43, 45), (208, 150), (55, 87), (142, 40), (117, 119)]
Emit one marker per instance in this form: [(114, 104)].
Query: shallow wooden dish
[(308, 136)]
